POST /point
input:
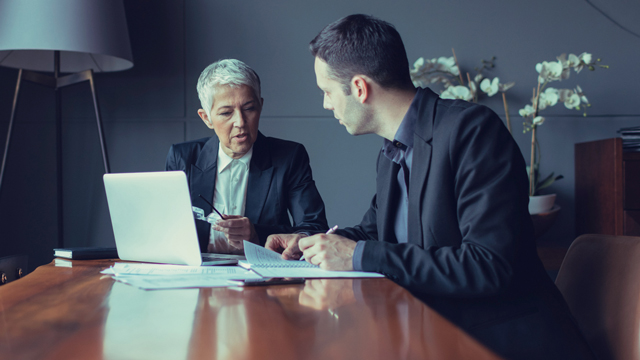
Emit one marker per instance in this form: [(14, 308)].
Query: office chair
[(12, 268), (600, 280)]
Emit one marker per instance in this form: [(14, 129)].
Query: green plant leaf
[(547, 182)]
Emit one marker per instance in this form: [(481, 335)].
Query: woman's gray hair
[(229, 72)]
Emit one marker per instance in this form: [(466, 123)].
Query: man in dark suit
[(252, 179), (449, 220)]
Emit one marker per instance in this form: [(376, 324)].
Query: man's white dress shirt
[(230, 195)]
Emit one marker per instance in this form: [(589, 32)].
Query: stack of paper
[(161, 276), (260, 263), (269, 264)]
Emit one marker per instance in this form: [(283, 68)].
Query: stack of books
[(630, 138), (86, 253)]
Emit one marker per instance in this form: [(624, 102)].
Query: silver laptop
[(153, 221)]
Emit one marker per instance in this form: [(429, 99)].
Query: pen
[(330, 231), (210, 204)]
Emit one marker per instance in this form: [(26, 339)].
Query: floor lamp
[(75, 37)]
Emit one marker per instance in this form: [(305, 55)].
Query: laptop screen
[(152, 218)]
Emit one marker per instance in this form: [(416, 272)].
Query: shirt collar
[(225, 160), (404, 134), (407, 127)]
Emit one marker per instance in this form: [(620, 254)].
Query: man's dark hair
[(362, 44)]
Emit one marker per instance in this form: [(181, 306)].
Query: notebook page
[(314, 272), (268, 263), (259, 256)]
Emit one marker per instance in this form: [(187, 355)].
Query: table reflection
[(337, 313), (322, 319), (148, 324), (220, 327), (327, 294)]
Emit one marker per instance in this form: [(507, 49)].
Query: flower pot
[(541, 203)]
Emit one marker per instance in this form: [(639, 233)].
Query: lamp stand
[(56, 82)]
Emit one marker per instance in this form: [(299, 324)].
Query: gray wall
[(153, 105)]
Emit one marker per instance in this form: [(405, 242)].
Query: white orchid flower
[(549, 71), (423, 69), (562, 59), (574, 60), (542, 103), (419, 73), (478, 78), (473, 89), (440, 79), (457, 92), (564, 94), (566, 67), (572, 101), (550, 96), (539, 120), (448, 64), (586, 58), (490, 86), (583, 98), (526, 111)]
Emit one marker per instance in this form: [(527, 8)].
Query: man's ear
[(205, 118), (360, 88)]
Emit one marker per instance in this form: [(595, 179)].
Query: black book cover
[(84, 253)]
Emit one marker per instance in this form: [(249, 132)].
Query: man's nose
[(326, 103)]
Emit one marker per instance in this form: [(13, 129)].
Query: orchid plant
[(446, 71), (544, 97)]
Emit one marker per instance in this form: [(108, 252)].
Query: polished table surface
[(68, 310)]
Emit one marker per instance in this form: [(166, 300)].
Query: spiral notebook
[(268, 263)]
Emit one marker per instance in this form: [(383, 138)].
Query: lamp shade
[(90, 34)]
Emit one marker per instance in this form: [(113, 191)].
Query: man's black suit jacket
[(470, 252), (280, 180)]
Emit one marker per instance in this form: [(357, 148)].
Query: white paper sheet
[(165, 269), (154, 282), (259, 255), (268, 263), (162, 276)]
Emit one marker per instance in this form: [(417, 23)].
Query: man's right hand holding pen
[(330, 231), (329, 251)]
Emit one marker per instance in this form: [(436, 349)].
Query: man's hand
[(330, 252), (237, 228), (287, 244)]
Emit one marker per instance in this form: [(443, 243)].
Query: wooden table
[(67, 310)]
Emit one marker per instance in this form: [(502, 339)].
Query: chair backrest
[(600, 280), (12, 268)]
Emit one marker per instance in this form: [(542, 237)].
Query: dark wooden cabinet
[(607, 188)]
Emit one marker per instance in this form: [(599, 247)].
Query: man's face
[(346, 108), (234, 117)]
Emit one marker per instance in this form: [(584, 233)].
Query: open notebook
[(268, 263)]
